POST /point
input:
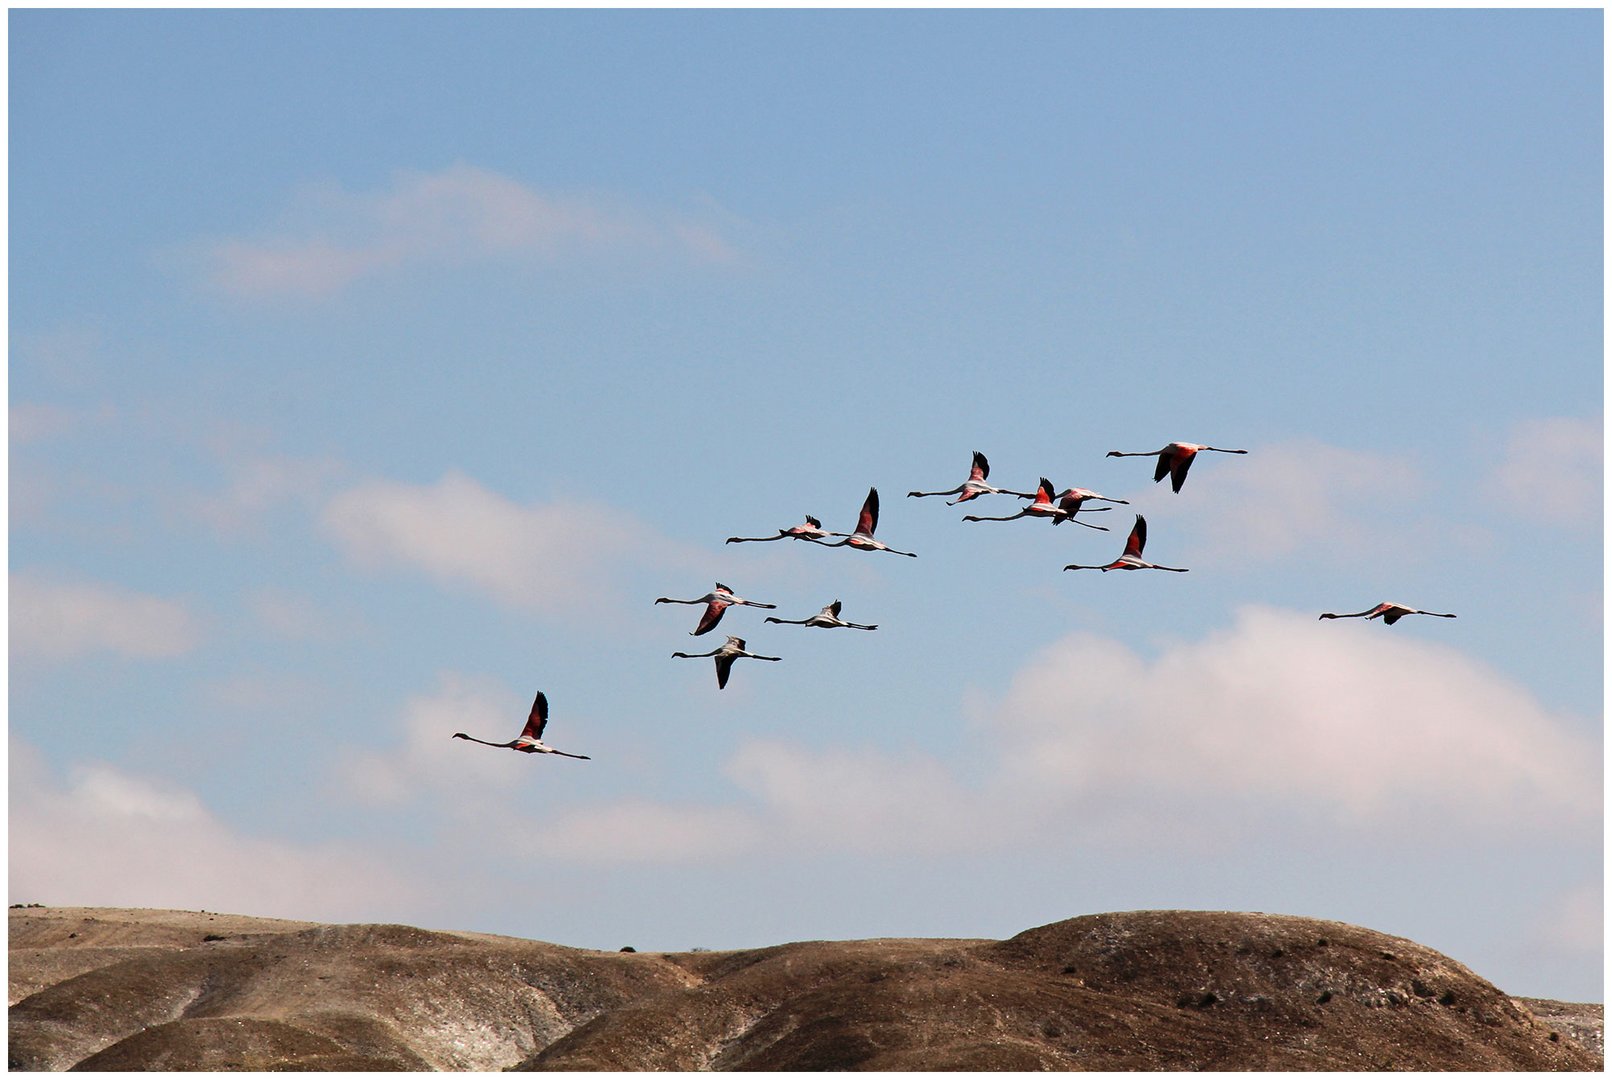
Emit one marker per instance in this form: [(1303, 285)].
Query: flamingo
[(531, 736), (1389, 613), (1044, 507), (866, 522), (1132, 559), (1174, 459), (729, 651), (811, 530), (828, 617), (973, 487), (715, 604)]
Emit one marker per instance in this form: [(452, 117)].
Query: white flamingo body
[(530, 740), (867, 521), (1174, 460), (1042, 506), (726, 654), (829, 617), (1388, 613), (1132, 557), (716, 602), (973, 487), (811, 529)]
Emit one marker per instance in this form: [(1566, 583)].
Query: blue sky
[(373, 370)]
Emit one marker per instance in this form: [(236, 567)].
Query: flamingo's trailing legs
[(530, 740), (729, 651), (866, 522), (811, 530), (716, 602), (828, 617), (1044, 507), (1132, 559), (1175, 459), (1389, 613), (973, 487)]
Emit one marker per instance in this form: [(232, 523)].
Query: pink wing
[(538, 719), (981, 468), (1138, 538), (869, 519), (712, 616)]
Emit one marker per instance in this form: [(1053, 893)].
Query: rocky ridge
[(110, 989)]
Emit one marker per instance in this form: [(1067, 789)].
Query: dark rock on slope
[(118, 989)]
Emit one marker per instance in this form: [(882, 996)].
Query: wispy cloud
[(258, 484), (33, 421), (104, 836), (458, 215), (57, 620), (549, 557), (1556, 467)]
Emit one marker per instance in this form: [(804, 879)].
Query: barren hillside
[(98, 988)]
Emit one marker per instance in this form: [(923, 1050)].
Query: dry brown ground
[(103, 989)]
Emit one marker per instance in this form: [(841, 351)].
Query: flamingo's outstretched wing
[(538, 720), (1138, 538), (981, 468), (868, 520), (1179, 464), (712, 616)]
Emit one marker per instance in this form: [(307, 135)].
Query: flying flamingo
[(866, 522), (715, 604), (973, 487), (811, 530), (531, 737), (1389, 613), (1044, 507), (828, 617), (1132, 559), (1174, 459), (1072, 499), (730, 651)]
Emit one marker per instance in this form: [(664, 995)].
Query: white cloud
[(1279, 722), (547, 557), (1334, 501), (461, 214), (61, 620), (1555, 467), (105, 837), (1364, 728), (431, 761)]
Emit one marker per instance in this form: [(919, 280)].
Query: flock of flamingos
[(1174, 461)]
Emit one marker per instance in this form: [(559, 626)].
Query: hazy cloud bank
[(57, 620), (459, 215)]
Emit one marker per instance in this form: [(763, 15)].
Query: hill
[(107, 989)]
